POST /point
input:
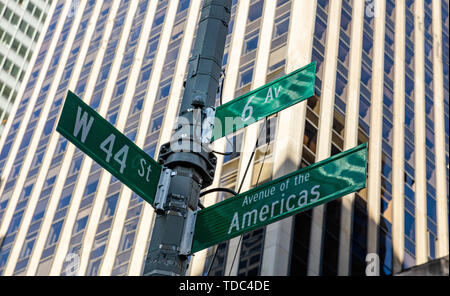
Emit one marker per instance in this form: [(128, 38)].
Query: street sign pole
[(192, 167)]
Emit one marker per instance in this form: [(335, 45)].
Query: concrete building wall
[(381, 78)]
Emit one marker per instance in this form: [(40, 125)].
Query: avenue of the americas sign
[(111, 149), (301, 190), (266, 100)]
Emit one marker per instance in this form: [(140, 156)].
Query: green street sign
[(96, 137), (266, 100), (314, 185)]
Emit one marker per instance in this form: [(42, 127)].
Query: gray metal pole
[(189, 166)]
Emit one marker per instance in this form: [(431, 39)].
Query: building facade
[(21, 24), (382, 78)]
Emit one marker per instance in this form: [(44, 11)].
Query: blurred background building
[(21, 24), (382, 78)]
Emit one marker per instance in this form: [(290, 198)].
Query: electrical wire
[(256, 185), (222, 74), (229, 190), (221, 85), (222, 153), (227, 153), (239, 190)]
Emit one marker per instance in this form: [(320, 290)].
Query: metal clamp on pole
[(184, 154), (163, 190), (188, 233), (208, 125)]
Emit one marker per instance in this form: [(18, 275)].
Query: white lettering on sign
[(276, 208), (81, 123), (120, 157), (110, 142), (73, 264), (142, 170), (268, 192), (269, 95), (234, 223), (272, 93), (248, 109)]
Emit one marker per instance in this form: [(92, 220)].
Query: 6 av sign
[(96, 137), (264, 101)]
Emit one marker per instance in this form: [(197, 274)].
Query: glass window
[(81, 224), (409, 85), (159, 18), (156, 123), (255, 11), (26, 250), (251, 44), (246, 77), (104, 72), (145, 76), (431, 208), (54, 232), (91, 188), (4, 256), (38, 159), (151, 150), (76, 165), (341, 84), (110, 206), (385, 253), (137, 106), (127, 241), (94, 268), (164, 91), (320, 29), (184, 4), (26, 191), (281, 28), (112, 118), (388, 66), (49, 126), (15, 222), (234, 145), (432, 244), (120, 89), (345, 20), (64, 201), (40, 209), (343, 52), (62, 146), (409, 226), (365, 75)]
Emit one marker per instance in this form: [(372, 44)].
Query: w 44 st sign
[(99, 139)]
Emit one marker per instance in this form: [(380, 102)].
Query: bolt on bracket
[(163, 189), (188, 233)]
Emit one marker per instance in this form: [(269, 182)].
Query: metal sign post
[(192, 167)]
